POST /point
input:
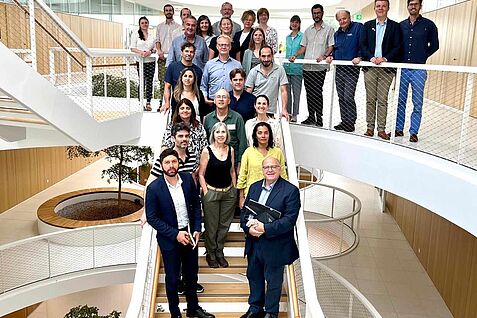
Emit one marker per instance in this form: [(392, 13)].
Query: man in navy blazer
[(380, 41), (173, 210), (269, 247)]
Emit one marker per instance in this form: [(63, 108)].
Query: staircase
[(226, 290)]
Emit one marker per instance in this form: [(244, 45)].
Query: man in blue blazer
[(380, 41), (269, 247), (173, 210)]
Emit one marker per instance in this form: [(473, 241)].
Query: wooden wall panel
[(447, 252), (26, 172)]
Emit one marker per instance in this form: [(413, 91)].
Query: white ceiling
[(277, 8)]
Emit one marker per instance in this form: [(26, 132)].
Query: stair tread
[(237, 265), (219, 314), (218, 290)]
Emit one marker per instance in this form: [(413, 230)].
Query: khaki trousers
[(377, 82), (219, 210)]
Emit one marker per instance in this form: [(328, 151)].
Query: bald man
[(270, 246)]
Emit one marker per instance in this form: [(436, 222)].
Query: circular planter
[(49, 220)]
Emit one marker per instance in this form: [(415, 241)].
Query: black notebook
[(262, 212)]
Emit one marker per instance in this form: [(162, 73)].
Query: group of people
[(220, 47), (224, 145)]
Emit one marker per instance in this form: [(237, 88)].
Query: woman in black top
[(217, 181), (241, 40)]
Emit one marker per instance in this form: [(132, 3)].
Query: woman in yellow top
[(252, 158)]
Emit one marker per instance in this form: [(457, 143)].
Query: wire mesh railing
[(430, 108), (51, 255), (103, 82)]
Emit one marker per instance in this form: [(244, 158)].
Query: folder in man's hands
[(263, 213)]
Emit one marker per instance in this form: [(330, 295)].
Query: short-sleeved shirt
[(347, 42), (189, 165), (267, 84), (245, 105), (174, 70), (236, 128), (164, 34), (217, 75), (316, 41)]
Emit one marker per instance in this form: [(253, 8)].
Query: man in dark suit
[(173, 210), (269, 247), (380, 41)]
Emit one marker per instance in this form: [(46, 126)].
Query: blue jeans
[(417, 79), (294, 86)]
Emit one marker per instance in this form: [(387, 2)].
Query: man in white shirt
[(163, 43)]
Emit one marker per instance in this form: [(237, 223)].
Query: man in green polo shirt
[(232, 119)]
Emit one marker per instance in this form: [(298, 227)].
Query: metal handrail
[(427, 67), (356, 209)]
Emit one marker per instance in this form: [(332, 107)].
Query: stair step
[(217, 292), (218, 314), (233, 239), (237, 265)]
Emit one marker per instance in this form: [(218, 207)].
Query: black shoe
[(180, 287), (413, 138), (270, 315), (176, 316), (345, 127), (309, 121), (211, 262), (199, 313), (200, 288), (222, 262), (250, 314)]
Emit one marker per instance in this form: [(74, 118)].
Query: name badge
[(231, 126)]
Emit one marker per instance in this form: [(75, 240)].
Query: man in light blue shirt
[(201, 50), (217, 71)]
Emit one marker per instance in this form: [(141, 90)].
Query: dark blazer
[(392, 41), (278, 241), (244, 46), (161, 213)]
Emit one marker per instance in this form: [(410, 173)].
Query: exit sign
[(357, 16)]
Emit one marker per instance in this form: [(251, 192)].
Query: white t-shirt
[(143, 45)]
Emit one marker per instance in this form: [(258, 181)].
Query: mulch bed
[(101, 209)]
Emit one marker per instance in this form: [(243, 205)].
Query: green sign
[(358, 16)]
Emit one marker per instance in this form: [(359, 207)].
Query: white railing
[(449, 114), (38, 258)]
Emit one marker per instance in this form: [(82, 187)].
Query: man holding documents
[(173, 210), (268, 218)]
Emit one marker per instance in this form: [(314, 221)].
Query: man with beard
[(173, 210), (268, 79), (164, 39), (317, 43)]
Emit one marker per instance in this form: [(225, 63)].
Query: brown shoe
[(222, 262), (413, 138), (369, 132), (211, 262), (398, 133), (382, 134)]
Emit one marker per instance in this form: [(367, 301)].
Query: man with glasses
[(232, 119), (226, 10), (420, 41), (270, 246), (317, 44), (217, 70)]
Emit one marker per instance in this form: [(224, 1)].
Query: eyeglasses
[(222, 44), (274, 167), (221, 96)]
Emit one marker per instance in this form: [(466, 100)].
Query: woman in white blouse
[(261, 108), (143, 45)]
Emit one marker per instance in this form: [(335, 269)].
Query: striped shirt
[(190, 165)]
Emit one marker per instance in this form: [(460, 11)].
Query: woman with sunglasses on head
[(217, 181), (252, 158), (143, 44)]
